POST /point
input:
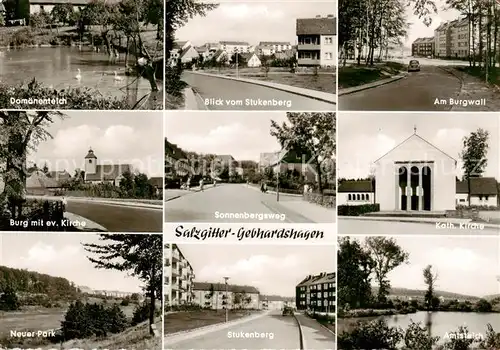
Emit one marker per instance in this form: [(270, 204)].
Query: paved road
[(376, 227), (233, 199), (117, 218), (276, 332), (212, 87), (417, 92)]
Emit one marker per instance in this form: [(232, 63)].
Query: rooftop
[(316, 26)]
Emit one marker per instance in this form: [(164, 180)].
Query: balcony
[(308, 62), (310, 47), (175, 272)]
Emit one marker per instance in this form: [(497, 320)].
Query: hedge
[(323, 200), (357, 210)]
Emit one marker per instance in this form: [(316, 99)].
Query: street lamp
[(227, 302)]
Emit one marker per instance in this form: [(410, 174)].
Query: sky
[(272, 270), (244, 135), (62, 255), (382, 132), (465, 265), (252, 21), (418, 29), (116, 137)]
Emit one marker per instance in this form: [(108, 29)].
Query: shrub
[(141, 313), (125, 302), (357, 210), (323, 200), (417, 337), (370, 335), (9, 300), (86, 320)]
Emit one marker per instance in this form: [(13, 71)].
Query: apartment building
[(234, 46), (176, 161), (451, 39), (316, 39), (316, 293), (268, 48), (179, 277), (423, 47), (219, 295)]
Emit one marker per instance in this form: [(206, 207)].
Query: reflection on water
[(58, 68)]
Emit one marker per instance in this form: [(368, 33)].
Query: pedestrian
[(64, 203), (215, 183), (265, 187), (201, 184), (188, 183)]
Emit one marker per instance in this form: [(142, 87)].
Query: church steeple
[(90, 154), (90, 162)]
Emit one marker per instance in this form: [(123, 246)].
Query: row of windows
[(358, 197), (318, 295)]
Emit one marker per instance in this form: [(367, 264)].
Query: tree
[(475, 149), (62, 13), (354, 269), (141, 255), (9, 300), (20, 133), (386, 255), (309, 133), (430, 280)]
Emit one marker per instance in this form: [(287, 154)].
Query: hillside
[(416, 293), (31, 282)]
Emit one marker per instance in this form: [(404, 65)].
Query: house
[(237, 297), (356, 192), (62, 177), (452, 39), (317, 293), (290, 161), (39, 184), (178, 276), (483, 192), (234, 46), (251, 59), (175, 53), (269, 48), (186, 55), (275, 302), (96, 173), (221, 56), (37, 6), (316, 41), (423, 47)]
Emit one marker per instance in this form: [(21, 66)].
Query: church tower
[(90, 162)]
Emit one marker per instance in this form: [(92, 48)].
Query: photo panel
[(223, 296), (83, 55), (434, 56), (426, 291), (250, 167), (418, 173), (285, 59), (61, 290), (81, 171)]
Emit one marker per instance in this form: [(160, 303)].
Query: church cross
[(414, 129)]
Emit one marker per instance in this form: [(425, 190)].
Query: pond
[(58, 67), (441, 322)]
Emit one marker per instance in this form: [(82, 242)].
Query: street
[(220, 88), (272, 331), (230, 199), (118, 218), (416, 92), (378, 227)]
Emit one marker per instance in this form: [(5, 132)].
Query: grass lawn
[(42, 319), (188, 320), (354, 75), (324, 81), (493, 75)]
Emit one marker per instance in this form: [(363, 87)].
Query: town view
[(438, 55), (423, 174), (83, 291), (81, 54), (257, 167), (286, 61), (81, 171), (280, 297), (418, 293)]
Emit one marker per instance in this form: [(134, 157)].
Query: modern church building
[(416, 176)]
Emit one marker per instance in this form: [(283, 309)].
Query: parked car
[(287, 311), (414, 66)]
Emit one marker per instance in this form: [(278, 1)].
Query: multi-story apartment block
[(316, 41), (234, 46), (178, 275), (176, 161), (451, 39), (423, 47), (268, 48), (219, 296), (316, 293)]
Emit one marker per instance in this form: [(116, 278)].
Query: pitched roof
[(355, 186), (271, 43), (478, 186), (38, 179), (316, 26), (415, 135), (221, 287), (108, 172), (225, 158), (317, 279), (234, 43)]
